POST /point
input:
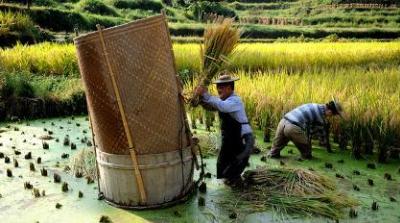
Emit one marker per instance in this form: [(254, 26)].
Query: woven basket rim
[(136, 24), (185, 148)]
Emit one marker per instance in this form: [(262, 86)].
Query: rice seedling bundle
[(84, 162), (295, 191), (291, 181), (220, 40), (325, 205)]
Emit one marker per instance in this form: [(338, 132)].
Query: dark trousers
[(230, 165)]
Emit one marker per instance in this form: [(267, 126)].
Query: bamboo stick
[(139, 179), (95, 154)]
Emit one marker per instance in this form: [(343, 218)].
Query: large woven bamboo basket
[(141, 59)]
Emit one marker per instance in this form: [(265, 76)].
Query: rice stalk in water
[(84, 162)]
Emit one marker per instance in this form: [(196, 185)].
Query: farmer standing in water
[(296, 126), (236, 133)]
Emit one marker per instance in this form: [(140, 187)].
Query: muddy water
[(19, 205)]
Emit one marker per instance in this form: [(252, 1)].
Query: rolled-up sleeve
[(226, 106)]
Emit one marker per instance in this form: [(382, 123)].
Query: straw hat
[(338, 107), (226, 78)]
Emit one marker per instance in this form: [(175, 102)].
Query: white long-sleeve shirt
[(232, 105)]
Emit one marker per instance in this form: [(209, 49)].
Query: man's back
[(307, 115)]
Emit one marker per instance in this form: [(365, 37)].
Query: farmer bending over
[(297, 124), (237, 137)]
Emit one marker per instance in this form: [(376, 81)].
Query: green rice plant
[(300, 57), (16, 21), (367, 97), (16, 85), (96, 7), (275, 78), (41, 59), (152, 5), (60, 59), (57, 88)]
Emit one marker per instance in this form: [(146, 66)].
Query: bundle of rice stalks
[(294, 191), (290, 181), (220, 41), (329, 205), (83, 163)]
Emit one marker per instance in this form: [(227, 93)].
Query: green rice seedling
[(43, 172), (28, 156), (28, 185), (387, 176), (339, 176), (36, 192), (328, 165), (64, 156), (32, 167), (374, 206), (105, 219), (9, 173), (203, 187), (73, 146), (57, 178), (45, 145), (353, 213), (64, 187), (89, 180), (201, 202), (66, 141), (371, 166)]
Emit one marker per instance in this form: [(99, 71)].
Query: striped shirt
[(307, 116), (232, 105)]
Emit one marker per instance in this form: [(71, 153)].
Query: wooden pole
[(139, 179), (95, 153)]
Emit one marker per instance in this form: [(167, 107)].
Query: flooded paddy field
[(28, 196)]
